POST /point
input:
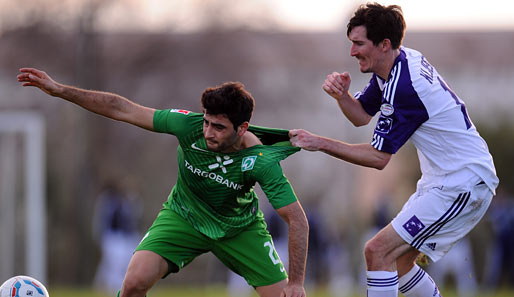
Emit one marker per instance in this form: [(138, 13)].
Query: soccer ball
[(23, 286)]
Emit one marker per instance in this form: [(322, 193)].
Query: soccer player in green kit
[(212, 207)]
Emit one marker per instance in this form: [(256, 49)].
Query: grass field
[(220, 291)]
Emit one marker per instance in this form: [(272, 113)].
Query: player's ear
[(242, 128), (385, 45)]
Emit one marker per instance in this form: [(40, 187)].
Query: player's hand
[(292, 290), (337, 84), (304, 139), (37, 78)]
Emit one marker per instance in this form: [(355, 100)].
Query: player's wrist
[(60, 90), (322, 143)]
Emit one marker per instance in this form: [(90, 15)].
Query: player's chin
[(213, 147), (365, 69)]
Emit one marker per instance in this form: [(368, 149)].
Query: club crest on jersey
[(384, 125), (413, 226), (248, 163), (182, 111), (387, 109)]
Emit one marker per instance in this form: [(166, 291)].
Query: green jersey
[(215, 191)]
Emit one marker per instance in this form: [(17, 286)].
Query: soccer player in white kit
[(413, 102)]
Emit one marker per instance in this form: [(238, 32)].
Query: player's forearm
[(360, 154), (353, 110), (298, 245), (103, 103)]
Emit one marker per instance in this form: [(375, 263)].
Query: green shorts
[(250, 254)]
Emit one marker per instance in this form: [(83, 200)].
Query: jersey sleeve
[(402, 112), (173, 121), (276, 186), (370, 97)]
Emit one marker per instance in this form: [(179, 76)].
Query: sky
[(184, 16), (307, 15), (419, 15)]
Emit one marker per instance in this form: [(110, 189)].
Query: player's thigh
[(252, 255), (175, 240), (433, 221)]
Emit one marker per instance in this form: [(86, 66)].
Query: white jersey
[(416, 103)]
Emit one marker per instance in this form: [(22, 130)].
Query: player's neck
[(247, 140), (387, 64)]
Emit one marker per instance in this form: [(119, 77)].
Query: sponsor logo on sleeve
[(413, 226), (182, 111)]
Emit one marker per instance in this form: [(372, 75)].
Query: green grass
[(220, 291)]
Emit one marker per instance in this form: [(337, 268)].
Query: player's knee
[(374, 252), (134, 286)]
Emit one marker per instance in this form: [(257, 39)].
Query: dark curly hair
[(230, 99), (381, 22)]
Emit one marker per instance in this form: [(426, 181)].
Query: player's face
[(219, 132), (364, 50)]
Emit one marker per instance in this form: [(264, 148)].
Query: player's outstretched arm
[(337, 85), (298, 238), (363, 154), (107, 104)]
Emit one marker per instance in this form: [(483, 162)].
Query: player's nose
[(208, 132), (353, 51)]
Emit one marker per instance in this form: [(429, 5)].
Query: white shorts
[(434, 219)]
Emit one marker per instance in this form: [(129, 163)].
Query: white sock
[(382, 283), (417, 283)]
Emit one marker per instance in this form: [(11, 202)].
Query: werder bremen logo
[(248, 163), (221, 163)]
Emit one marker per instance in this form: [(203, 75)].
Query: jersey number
[(454, 96), (271, 254)]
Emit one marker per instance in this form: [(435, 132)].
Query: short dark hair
[(381, 22), (230, 99)]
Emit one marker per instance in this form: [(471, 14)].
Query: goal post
[(31, 127)]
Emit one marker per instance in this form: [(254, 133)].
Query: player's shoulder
[(270, 146), (418, 64), (176, 114), (422, 75), (179, 115), (269, 155), (183, 113), (411, 58), (175, 120)]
